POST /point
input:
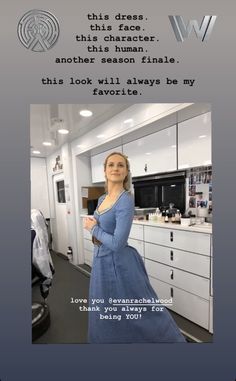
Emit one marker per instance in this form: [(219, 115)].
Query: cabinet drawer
[(184, 240), (183, 260), (211, 290), (88, 245), (136, 232), (87, 234), (181, 279), (190, 306), (138, 245), (88, 257)]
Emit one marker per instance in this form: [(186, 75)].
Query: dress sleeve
[(124, 216)]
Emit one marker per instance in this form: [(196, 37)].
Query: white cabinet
[(88, 257), (184, 280), (88, 248), (194, 142), (178, 263), (211, 292), (184, 260), (136, 238), (138, 245), (97, 164), (87, 234), (211, 315), (188, 305), (136, 232), (180, 239), (154, 153)]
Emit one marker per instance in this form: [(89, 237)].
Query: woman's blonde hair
[(127, 181)]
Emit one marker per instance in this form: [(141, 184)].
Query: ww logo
[(182, 31)]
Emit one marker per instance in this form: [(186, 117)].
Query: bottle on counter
[(173, 218), (163, 216), (166, 218), (159, 216), (151, 217), (169, 214), (177, 217)]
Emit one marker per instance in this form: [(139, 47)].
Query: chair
[(40, 310)]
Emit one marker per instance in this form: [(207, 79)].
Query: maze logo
[(38, 30), (182, 31)]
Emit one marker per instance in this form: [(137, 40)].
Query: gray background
[(213, 65)]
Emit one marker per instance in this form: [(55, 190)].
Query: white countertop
[(203, 228)]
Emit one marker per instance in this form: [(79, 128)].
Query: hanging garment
[(41, 257)]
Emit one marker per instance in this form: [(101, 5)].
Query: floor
[(68, 324)]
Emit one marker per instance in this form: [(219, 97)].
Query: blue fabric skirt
[(122, 275)]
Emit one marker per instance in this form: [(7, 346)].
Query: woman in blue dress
[(120, 293)]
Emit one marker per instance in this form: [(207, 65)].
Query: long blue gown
[(118, 272)]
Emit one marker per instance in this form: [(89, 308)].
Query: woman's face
[(116, 169)]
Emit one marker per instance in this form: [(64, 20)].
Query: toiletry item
[(177, 217), (192, 219), (202, 212), (163, 216), (159, 217), (185, 221)]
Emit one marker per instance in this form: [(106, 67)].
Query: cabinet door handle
[(171, 274), (171, 236), (171, 255), (145, 168), (171, 292)]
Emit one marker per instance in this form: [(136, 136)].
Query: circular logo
[(38, 30)]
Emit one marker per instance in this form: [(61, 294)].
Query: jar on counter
[(185, 221)]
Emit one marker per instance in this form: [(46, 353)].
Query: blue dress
[(118, 277)]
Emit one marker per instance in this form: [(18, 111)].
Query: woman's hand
[(89, 223)]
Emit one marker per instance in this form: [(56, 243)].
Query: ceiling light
[(85, 113), (202, 136), (36, 152), (148, 153), (101, 136), (128, 121), (81, 146), (173, 146), (47, 143), (63, 131)]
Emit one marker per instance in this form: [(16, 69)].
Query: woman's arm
[(124, 216)]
